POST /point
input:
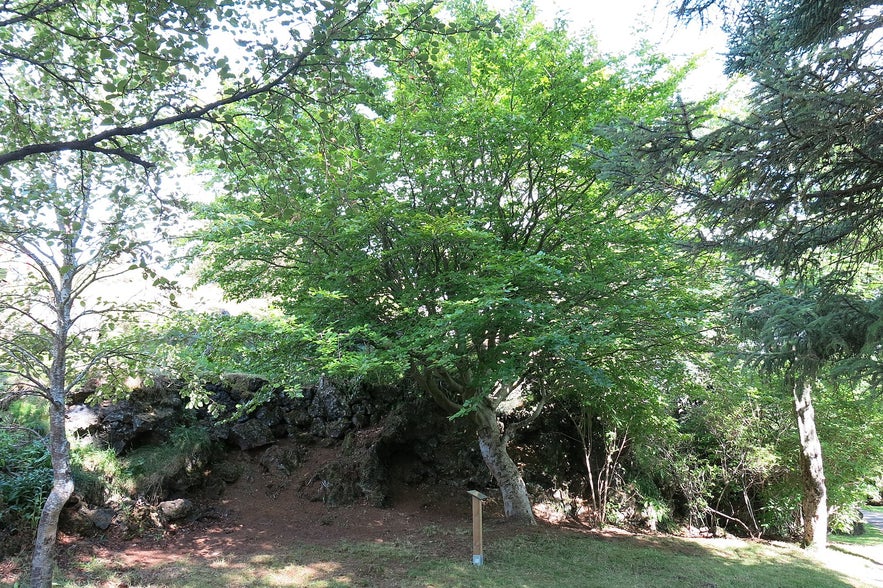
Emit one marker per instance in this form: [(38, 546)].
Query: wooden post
[(477, 538)]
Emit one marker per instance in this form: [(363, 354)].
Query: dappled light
[(492, 302)]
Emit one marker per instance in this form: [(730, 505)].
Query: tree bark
[(814, 504), (43, 560), (62, 487), (516, 502)]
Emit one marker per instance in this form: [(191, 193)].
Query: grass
[(148, 468), (867, 547), (580, 561), (534, 559), (142, 471), (30, 412), (872, 536)]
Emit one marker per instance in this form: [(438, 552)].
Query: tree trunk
[(43, 561), (814, 504), (62, 487), (516, 502)]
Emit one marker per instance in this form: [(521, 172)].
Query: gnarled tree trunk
[(491, 441), (814, 504)]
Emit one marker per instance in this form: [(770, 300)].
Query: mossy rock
[(243, 384)]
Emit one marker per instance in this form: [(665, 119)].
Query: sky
[(619, 26)]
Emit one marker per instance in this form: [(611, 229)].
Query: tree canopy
[(796, 181), (125, 70), (452, 227)]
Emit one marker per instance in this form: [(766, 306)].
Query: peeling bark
[(62, 487), (814, 504), (516, 501)]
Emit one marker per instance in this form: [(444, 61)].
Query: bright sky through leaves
[(620, 25)]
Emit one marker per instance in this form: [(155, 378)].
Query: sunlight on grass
[(586, 562), (316, 574), (865, 549), (870, 537), (526, 561), (299, 567)]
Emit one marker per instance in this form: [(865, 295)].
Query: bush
[(25, 479), (780, 514), (145, 472), (25, 471)]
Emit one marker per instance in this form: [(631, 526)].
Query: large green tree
[(793, 184), (800, 333), (448, 225)]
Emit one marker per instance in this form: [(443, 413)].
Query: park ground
[(265, 535)]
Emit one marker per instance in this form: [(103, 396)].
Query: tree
[(779, 186), (69, 226), (86, 84), (794, 185), (447, 224), (799, 333), (134, 68)]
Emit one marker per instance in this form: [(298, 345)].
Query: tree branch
[(34, 13), (93, 143), (514, 427)]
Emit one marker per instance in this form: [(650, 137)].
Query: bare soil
[(263, 511), (266, 513)]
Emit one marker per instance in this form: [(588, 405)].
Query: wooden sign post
[(477, 539)]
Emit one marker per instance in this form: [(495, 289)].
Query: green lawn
[(866, 548), (535, 559)]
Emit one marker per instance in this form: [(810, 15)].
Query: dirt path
[(264, 510)]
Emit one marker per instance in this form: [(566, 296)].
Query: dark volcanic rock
[(250, 434), (172, 510)]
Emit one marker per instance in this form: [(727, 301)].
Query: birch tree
[(70, 228)]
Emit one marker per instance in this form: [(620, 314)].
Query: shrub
[(25, 478), (149, 470)]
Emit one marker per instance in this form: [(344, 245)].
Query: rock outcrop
[(387, 437)]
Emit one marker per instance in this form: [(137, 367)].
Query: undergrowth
[(100, 475), (25, 471)]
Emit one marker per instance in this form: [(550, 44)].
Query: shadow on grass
[(557, 560), (868, 545), (534, 559)]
